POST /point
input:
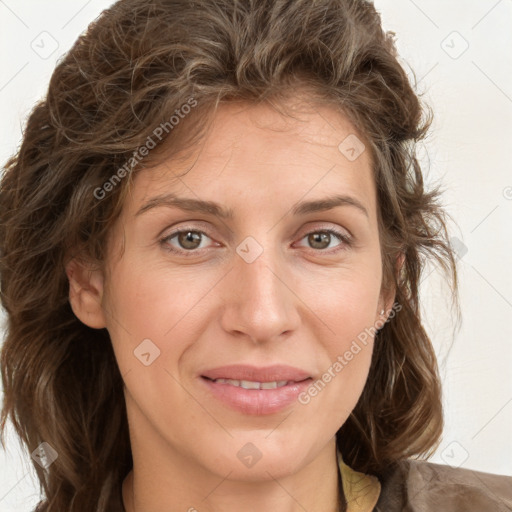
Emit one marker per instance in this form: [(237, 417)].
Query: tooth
[(247, 384)]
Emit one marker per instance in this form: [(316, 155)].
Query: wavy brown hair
[(136, 64)]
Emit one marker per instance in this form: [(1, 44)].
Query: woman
[(212, 239)]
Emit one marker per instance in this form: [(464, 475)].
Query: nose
[(259, 301)]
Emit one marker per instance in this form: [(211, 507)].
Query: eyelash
[(345, 239)]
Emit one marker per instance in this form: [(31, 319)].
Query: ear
[(86, 293), (387, 298)]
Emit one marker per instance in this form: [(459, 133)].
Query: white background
[(470, 151)]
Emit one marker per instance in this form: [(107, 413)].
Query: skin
[(296, 304)]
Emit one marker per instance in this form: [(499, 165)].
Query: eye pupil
[(319, 238), (189, 239)]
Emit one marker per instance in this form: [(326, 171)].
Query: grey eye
[(319, 240), (189, 239)]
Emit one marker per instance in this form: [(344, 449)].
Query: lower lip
[(257, 401)]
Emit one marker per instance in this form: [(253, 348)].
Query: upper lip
[(272, 373)]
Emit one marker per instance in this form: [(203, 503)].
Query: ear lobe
[(86, 293), (388, 299)]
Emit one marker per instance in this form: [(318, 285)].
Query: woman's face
[(270, 274)]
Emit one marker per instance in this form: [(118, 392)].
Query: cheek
[(335, 393), (153, 319), (349, 310), (148, 302), (347, 304)]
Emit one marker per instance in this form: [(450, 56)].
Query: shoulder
[(424, 486)]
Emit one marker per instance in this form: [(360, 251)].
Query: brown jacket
[(415, 486), (419, 486)]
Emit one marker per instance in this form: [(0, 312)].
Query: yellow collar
[(361, 491)]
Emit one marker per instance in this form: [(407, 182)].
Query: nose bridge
[(258, 302)]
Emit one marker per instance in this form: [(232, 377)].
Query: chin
[(253, 456)]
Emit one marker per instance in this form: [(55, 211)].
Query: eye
[(187, 240), (320, 240)]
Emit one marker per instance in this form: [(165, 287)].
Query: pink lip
[(257, 401), (266, 374)]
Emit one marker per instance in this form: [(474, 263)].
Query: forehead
[(257, 153)]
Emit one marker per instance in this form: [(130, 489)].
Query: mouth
[(256, 391), (250, 384), (277, 373)]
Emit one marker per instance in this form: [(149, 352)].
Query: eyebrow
[(215, 209)]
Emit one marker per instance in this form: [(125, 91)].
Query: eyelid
[(198, 225), (324, 226)]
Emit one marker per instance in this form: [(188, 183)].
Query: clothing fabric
[(420, 486), (361, 491)]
